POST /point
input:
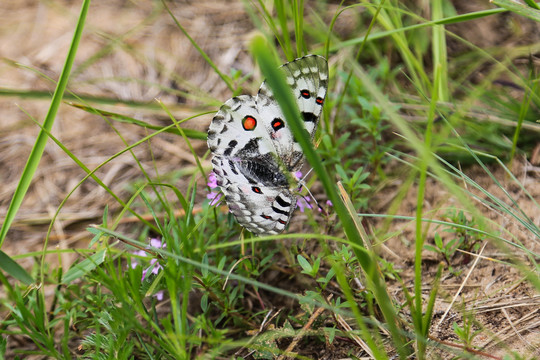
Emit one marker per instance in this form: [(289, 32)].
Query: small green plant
[(466, 333), (465, 237), (446, 250), (468, 238)]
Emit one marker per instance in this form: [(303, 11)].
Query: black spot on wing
[(305, 94), (282, 202), (279, 211), (239, 102), (250, 150), (277, 124), (233, 167), (264, 172), (230, 147), (309, 117)]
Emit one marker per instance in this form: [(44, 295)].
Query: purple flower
[(212, 181), (159, 295), (134, 262), (214, 197), (303, 203), (328, 204), (155, 266), (157, 243)]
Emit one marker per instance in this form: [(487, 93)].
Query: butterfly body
[(255, 153)]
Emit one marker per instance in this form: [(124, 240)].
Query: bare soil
[(145, 47)]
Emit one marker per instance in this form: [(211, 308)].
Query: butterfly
[(255, 154)]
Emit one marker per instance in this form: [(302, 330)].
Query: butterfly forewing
[(308, 80), (255, 150)]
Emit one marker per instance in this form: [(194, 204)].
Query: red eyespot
[(305, 94), (266, 217), (256, 190), (277, 124), (319, 101), (249, 123)]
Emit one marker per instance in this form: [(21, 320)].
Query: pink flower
[(159, 295), (303, 203), (214, 197), (212, 181), (155, 266), (328, 205), (134, 262)]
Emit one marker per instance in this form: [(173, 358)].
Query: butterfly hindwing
[(259, 207), (255, 150)]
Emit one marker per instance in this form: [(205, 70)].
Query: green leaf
[(431, 248), (520, 9), (79, 270), (331, 334), (12, 268), (204, 303), (39, 146), (306, 266), (438, 241)]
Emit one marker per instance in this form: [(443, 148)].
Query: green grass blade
[(298, 15), (440, 60), (445, 21), (283, 95), (190, 133), (46, 95), (519, 9), (523, 109), (281, 12), (81, 269), (532, 4), (39, 146), (12, 268)]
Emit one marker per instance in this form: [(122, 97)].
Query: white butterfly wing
[(255, 188), (262, 209), (308, 80), (254, 149)]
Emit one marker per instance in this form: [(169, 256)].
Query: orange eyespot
[(249, 123), (319, 101), (256, 190), (305, 94)]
